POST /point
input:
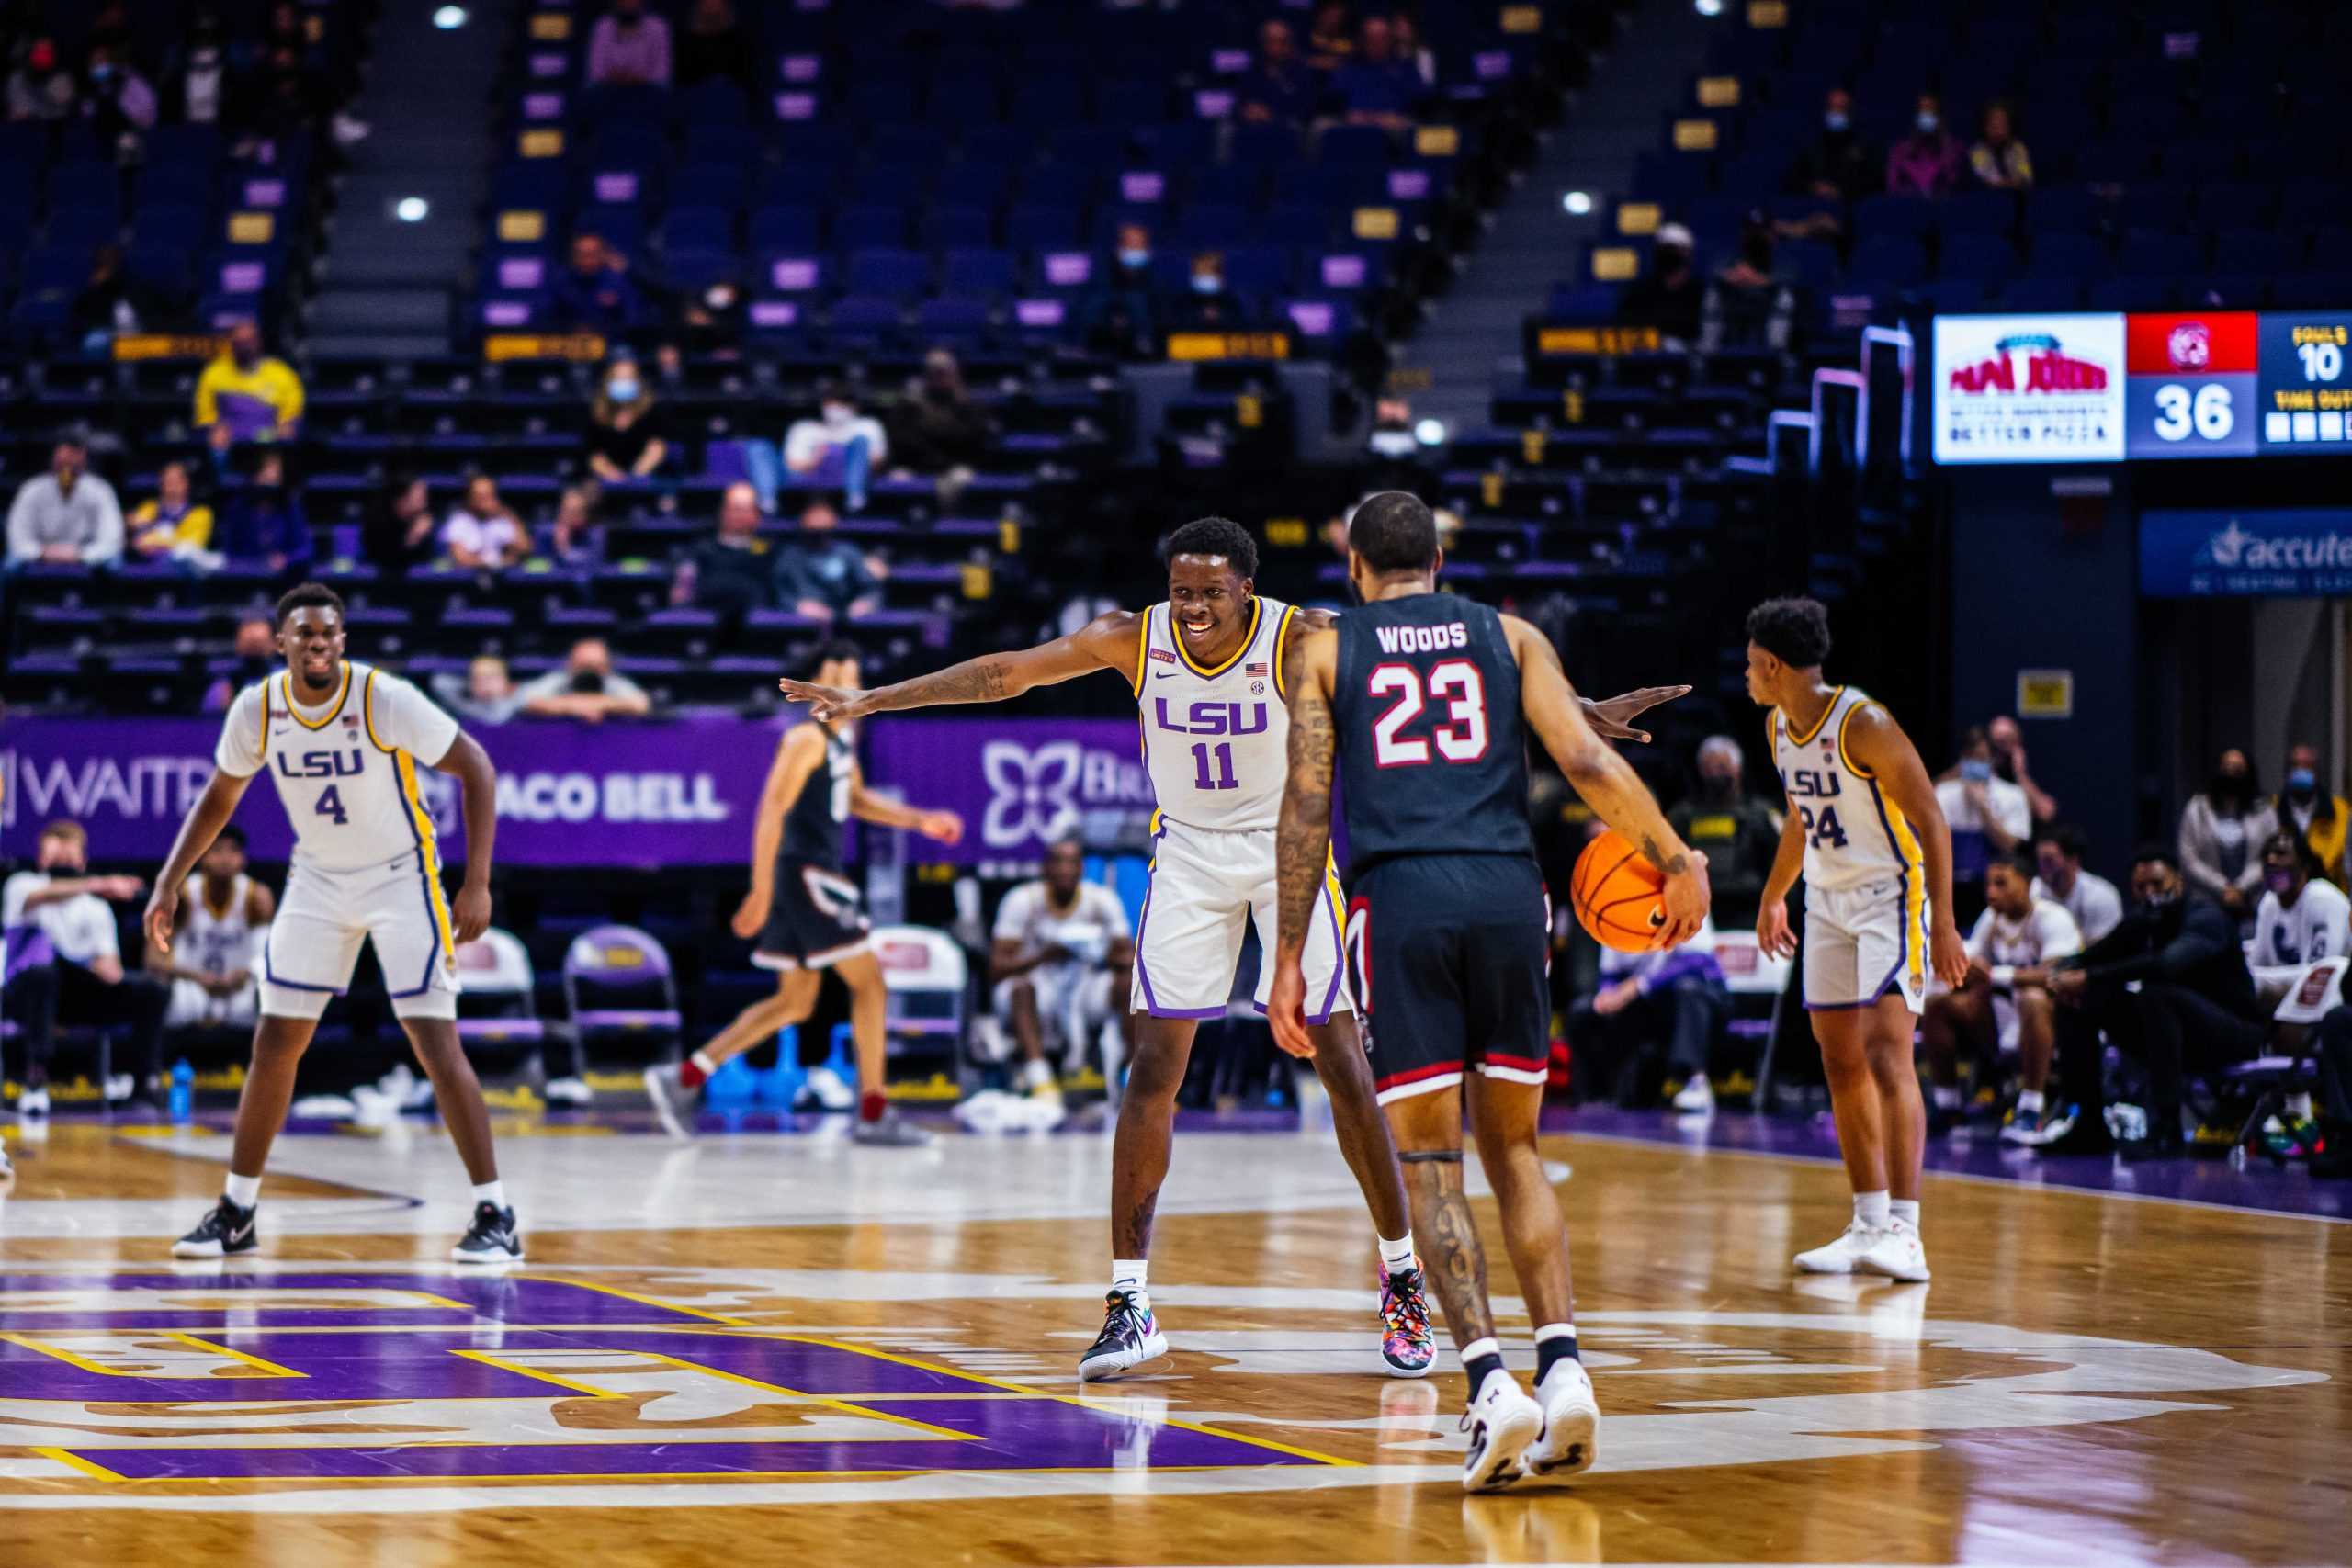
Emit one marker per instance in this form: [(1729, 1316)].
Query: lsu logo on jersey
[(323, 764), (1213, 718)]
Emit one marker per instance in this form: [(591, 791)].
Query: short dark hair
[(2155, 850), (1394, 530), (2018, 862), (1213, 537), (231, 834), (2295, 844), (307, 596), (838, 647), (2067, 837), (1796, 630)]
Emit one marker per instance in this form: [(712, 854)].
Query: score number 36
[(2208, 413)]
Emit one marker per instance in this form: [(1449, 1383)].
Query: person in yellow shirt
[(2318, 815), (245, 396), (172, 524)]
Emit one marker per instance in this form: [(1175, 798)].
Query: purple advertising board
[(1018, 784)]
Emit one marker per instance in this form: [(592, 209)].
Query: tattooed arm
[(1108, 642), (1302, 840), (1611, 787)]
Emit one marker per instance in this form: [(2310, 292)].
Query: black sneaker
[(490, 1239), (1130, 1337), (225, 1231)]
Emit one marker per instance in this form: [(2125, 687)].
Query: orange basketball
[(1617, 894)]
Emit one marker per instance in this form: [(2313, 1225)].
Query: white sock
[(1946, 1097), (245, 1192), (1870, 1208), (702, 1059), (490, 1192), (2299, 1105), (1133, 1275), (1398, 1254), (2028, 1103), (1904, 1209)]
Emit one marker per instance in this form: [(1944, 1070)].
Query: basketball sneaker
[(226, 1231), (1837, 1256), (826, 1090), (32, 1102), (1896, 1252), (888, 1131), (2037, 1129), (1502, 1423), (1571, 1422), (673, 1101), (1130, 1337), (1696, 1097), (568, 1090), (492, 1238), (1407, 1342)]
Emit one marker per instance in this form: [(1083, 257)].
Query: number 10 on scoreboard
[(2306, 396), (2191, 385)]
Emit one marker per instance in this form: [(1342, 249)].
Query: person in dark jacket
[(2195, 1006), (266, 523)]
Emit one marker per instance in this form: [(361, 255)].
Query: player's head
[(310, 632), (1212, 572), (1788, 639), (1392, 535), (837, 663), (1064, 865), (2058, 854), (2008, 883), (2155, 876), (63, 846), (226, 857), (2288, 863)]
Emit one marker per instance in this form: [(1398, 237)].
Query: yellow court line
[(272, 1367), (597, 1477), (94, 1470), (487, 1359), (827, 1401), (633, 1296)]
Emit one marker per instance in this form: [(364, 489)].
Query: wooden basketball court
[(760, 1348)]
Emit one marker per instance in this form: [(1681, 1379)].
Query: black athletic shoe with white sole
[(225, 1231), (490, 1239), (1130, 1337)]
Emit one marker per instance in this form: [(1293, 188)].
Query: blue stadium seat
[(870, 226), (1038, 225), (1893, 216), (859, 320), (1950, 294), (2151, 252), (711, 185), (958, 99), (691, 270), (711, 143), (2065, 210), (785, 229), (1978, 212), (2256, 251), (947, 226), (714, 101), (1986, 259), (886, 272), (977, 272), (2030, 296), (696, 229), (1895, 260), (793, 273), (956, 321), (2082, 257), (1045, 97)]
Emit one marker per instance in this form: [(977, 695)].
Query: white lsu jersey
[(347, 773), (219, 942), (1216, 741), (1853, 834), (2045, 933)]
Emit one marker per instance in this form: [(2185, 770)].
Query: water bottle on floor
[(183, 1090)]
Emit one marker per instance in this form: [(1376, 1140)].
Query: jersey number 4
[(1461, 739), (331, 805), (1821, 828)]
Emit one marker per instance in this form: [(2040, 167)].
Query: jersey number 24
[(1461, 739)]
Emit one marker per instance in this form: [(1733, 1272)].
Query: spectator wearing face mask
[(1837, 164), (840, 447), (172, 524), (1122, 314), (120, 103), (1208, 305), (825, 577), (257, 654), (1988, 817), (2090, 898), (1747, 305), (247, 396), (587, 688), (2319, 815), (1739, 832), (196, 80), (2301, 918), (1927, 163), (625, 441), (264, 523), (630, 47), (1670, 296), (2009, 766), (940, 428), (1999, 161), (2222, 832)]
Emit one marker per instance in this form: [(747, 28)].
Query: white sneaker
[(826, 1088), (1571, 1422), (1838, 1257), (567, 1091), (1037, 1078), (1696, 1097), (32, 1102), (1895, 1252), (120, 1086), (6, 1170), (1502, 1422)]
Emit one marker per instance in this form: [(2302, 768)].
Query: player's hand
[(1772, 933), (232, 984), (1615, 998), (828, 704), (944, 826), (117, 889), (163, 908), (470, 908), (1948, 953), (1287, 1009), (1613, 718), (1687, 899), (2068, 984), (750, 915), (2035, 976)]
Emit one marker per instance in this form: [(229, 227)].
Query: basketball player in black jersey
[(805, 914), (1422, 702)]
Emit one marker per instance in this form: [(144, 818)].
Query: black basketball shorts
[(815, 919)]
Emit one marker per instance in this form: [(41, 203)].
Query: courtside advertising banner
[(2028, 388)]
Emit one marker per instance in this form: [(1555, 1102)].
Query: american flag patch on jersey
[(1253, 669), (1163, 655)]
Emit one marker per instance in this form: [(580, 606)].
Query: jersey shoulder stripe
[(342, 696)]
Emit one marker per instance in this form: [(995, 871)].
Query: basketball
[(1617, 894)]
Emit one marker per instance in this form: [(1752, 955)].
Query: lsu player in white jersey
[(223, 917), (342, 743), (1208, 670), (1865, 828)]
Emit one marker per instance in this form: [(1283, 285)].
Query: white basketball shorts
[(1861, 943), (325, 915), (1205, 886)]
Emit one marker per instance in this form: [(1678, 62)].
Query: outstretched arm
[(1302, 839), (868, 806), (1877, 747), (1108, 642), (204, 819)]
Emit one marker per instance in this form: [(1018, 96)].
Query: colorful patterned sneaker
[(1130, 1337), (1407, 1342)]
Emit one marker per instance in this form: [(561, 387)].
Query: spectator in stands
[(840, 447), (823, 577), (1122, 317), (120, 102), (594, 292), (67, 515), (1746, 306), (40, 88), (1059, 957), (714, 45), (1208, 305), (574, 536), (1414, 55), (713, 321), (2222, 832), (246, 395), (940, 428), (629, 47), (1837, 164), (1328, 43), (1999, 160), (196, 80), (2319, 815), (2195, 1005), (1988, 817), (208, 971), (2090, 898), (587, 688), (1669, 296), (397, 534), (107, 304), (486, 695), (256, 653), (1738, 831), (174, 525), (1282, 89), (2008, 762), (624, 433), (264, 523), (1677, 998), (1376, 87), (1928, 162), (2008, 990), (65, 960), (732, 572), (482, 530), (2301, 918)]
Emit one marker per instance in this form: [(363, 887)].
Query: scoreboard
[(2184, 383)]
